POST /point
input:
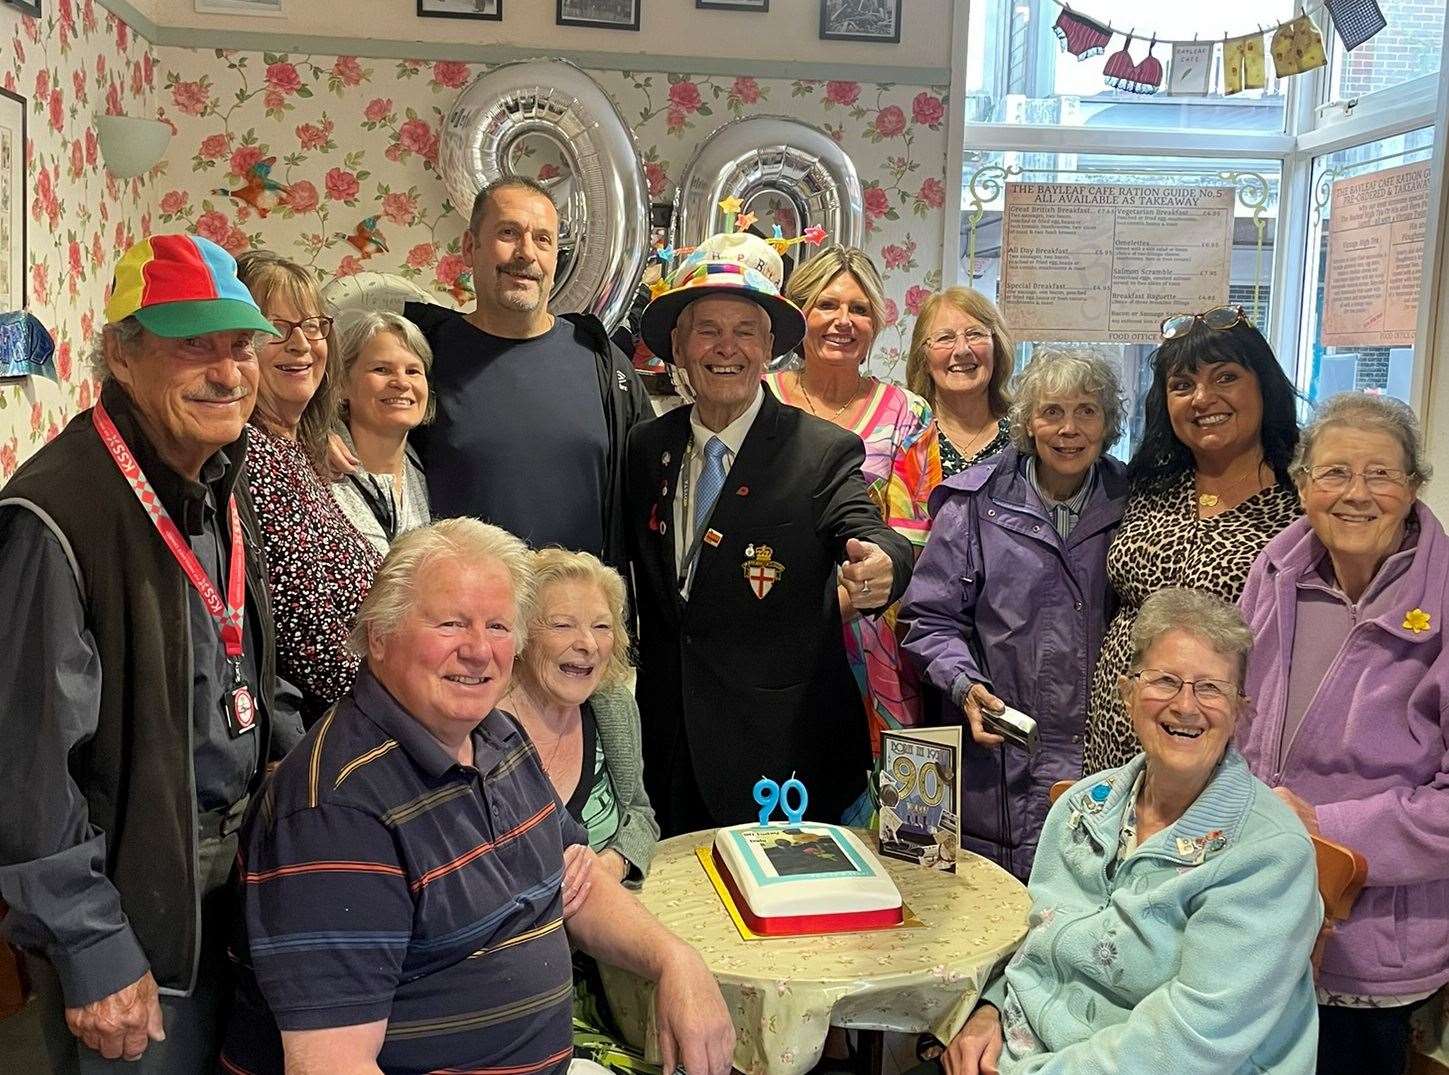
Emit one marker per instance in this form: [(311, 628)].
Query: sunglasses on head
[(1221, 318)]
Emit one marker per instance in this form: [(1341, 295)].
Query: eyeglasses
[(1159, 686), (1335, 478), (1221, 318), (313, 328), (973, 337)]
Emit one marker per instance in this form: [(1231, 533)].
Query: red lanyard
[(228, 614)]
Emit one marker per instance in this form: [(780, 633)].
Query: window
[(1406, 49), (1254, 232), (1025, 77), (1360, 368)]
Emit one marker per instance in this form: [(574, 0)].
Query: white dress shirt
[(733, 436)]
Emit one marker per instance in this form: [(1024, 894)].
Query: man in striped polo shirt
[(405, 901)]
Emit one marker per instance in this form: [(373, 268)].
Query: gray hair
[(463, 541), (127, 332), (684, 320), (357, 333), (1055, 373), (1358, 410), (1205, 617)]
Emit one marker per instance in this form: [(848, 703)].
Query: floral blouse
[(318, 570)]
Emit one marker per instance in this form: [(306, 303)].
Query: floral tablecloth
[(785, 993)]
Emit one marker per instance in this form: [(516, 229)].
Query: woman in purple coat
[(1350, 676), (1009, 600)]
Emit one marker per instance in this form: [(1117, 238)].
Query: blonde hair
[(466, 542), (552, 566), (360, 330), (812, 277), (266, 275), (1054, 373), (973, 304)]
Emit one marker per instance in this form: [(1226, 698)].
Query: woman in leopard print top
[(1209, 489)]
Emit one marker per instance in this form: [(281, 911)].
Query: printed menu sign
[(1100, 263), (1375, 258)]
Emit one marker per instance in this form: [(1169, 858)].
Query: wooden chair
[(1341, 875)]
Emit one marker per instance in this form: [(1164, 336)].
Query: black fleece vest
[(136, 771)]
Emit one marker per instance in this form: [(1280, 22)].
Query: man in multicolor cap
[(136, 679), (745, 516)]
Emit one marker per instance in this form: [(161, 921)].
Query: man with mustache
[(533, 409), (136, 680)]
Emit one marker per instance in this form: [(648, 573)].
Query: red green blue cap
[(182, 285)]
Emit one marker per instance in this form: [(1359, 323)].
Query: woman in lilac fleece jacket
[(1351, 683)]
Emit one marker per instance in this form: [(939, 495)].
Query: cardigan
[(1191, 957), (617, 716)]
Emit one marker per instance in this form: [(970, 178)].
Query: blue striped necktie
[(711, 481)]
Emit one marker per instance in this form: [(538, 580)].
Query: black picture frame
[(562, 18), (834, 13), (29, 7), (733, 5), (496, 16), (15, 115)]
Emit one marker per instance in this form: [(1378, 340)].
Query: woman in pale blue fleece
[(1174, 900)]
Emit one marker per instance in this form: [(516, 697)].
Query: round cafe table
[(785, 993)]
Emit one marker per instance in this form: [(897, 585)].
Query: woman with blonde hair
[(960, 363), (318, 567), (841, 294)]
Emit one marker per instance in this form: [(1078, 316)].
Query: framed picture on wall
[(29, 7), (604, 14), (491, 10), (12, 201), (733, 5), (861, 20)]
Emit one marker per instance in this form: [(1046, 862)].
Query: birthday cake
[(791, 878)]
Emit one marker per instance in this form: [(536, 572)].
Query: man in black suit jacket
[(742, 669)]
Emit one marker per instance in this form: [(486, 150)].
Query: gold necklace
[(966, 449), (800, 382), (1212, 500)]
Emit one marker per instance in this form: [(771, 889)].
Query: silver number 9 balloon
[(602, 194)]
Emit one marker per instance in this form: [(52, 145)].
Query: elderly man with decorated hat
[(136, 680), (745, 515)]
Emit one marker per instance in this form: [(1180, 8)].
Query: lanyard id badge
[(240, 706)]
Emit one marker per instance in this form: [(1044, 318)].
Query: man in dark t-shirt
[(533, 410)]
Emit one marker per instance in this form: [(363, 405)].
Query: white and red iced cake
[(791, 879)]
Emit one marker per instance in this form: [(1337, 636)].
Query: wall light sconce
[(131, 145)]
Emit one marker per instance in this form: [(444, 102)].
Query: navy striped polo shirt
[(381, 879)]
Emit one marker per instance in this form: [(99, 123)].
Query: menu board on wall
[(1375, 258), (1100, 263)]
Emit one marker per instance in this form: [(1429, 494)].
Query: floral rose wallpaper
[(74, 62), (333, 159)]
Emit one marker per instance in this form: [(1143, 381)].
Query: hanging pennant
[(1243, 67), (1297, 48), (1355, 20), (1121, 73), (1191, 71), (1080, 36)]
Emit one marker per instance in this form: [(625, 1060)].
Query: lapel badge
[(1416, 620), (664, 459), (743, 490), (654, 518), (712, 538), (761, 569)]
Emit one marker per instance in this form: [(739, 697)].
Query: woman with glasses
[(1009, 601), (1174, 901), (960, 363), (1208, 488), (840, 292), (319, 568), (1351, 684), (385, 364)]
